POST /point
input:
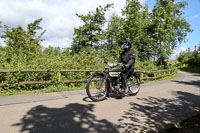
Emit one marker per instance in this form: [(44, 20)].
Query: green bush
[(190, 59)]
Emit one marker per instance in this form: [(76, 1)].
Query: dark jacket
[(128, 57)]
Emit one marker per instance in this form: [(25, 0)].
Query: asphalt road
[(157, 106)]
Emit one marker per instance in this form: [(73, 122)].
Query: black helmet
[(126, 43)]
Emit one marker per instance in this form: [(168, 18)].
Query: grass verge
[(53, 88), (161, 79)]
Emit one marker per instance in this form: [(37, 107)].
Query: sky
[(59, 17)]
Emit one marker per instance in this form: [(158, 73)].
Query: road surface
[(157, 106)]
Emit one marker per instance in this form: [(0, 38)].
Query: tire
[(134, 85), (96, 88)]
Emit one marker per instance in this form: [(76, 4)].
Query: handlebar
[(112, 65)]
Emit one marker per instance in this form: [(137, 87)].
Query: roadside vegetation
[(190, 60), (190, 125)]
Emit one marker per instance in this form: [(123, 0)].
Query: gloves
[(127, 66)]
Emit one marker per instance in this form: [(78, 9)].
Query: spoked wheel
[(134, 85), (96, 88)]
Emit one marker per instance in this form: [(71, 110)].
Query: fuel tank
[(114, 74)]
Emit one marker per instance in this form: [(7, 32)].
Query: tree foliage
[(24, 42), (91, 33), (169, 27), (191, 58), (154, 34), (137, 28)]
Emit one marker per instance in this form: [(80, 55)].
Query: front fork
[(107, 84)]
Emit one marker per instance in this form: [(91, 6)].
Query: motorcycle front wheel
[(96, 88)]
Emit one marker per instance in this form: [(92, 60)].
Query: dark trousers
[(125, 75)]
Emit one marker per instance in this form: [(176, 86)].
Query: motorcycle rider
[(127, 57)]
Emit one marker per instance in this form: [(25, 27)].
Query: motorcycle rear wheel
[(134, 85), (96, 88)]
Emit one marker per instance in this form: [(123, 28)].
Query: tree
[(132, 21), (120, 29), (169, 27), (191, 58), (20, 41), (113, 32), (91, 33), (198, 48), (146, 47), (184, 56), (112, 45), (136, 26)]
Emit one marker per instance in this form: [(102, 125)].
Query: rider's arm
[(120, 59), (132, 58)]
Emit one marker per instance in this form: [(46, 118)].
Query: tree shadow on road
[(73, 118), (193, 82), (196, 74), (156, 114)]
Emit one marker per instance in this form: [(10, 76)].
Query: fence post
[(59, 76), (142, 75), (155, 76)]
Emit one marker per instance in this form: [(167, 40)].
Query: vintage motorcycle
[(101, 84)]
